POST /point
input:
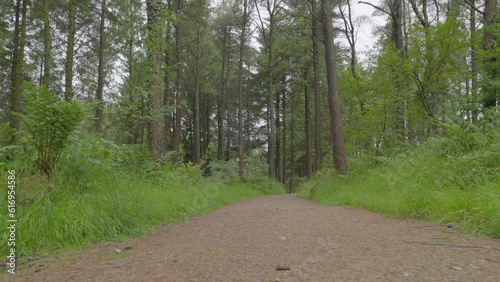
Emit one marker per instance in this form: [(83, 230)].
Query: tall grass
[(451, 179), (103, 192)]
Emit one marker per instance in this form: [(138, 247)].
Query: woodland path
[(283, 238)]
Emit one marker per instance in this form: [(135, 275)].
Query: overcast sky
[(366, 38)]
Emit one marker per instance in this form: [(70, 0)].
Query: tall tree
[(46, 44), (17, 62), (490, 90), (473, 62), (316, 86), (68, 86), (244, 23), (273, 7), (156, 126), (336, 130), (100, 72), (349, 31), (179, 80)]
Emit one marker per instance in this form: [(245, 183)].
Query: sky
[(365, 33), (366, 38)]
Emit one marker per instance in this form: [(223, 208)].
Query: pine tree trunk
[(156, 126), (220, 112), (46, 44), (100, 76), (316, 89), (68, 86), (490, 95), (179, 94), (473, 63), (17, 63), (270, 103), (336, 131), (307, 126), (197, 136), (241, 164)]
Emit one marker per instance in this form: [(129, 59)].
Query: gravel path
[(284, 238)]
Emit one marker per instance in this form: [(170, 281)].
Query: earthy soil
[(283, 238)]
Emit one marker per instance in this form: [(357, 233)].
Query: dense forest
[(238, 89), (197, 79)]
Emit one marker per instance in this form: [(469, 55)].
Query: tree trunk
[(316, 89), (100, 77), (17, 64), (270, 103), (336, 131), (283, 165), (397, 25), (307, 126), (179, 94), (68, 86), (473, 63), (490, 95), (156, 126), (244, 21), (46, 44), (220, 113), (167, 82), (197, 136), (277, 164)]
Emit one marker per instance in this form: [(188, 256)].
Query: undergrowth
[(451, 179), (101, 191)]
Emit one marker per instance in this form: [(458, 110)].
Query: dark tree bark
[(336, 130), (68, 86), (490, 95), (17, 63), (473, 64), (100, 76), (46, 44)]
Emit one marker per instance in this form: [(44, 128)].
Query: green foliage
[(49, 123), (450, 179)]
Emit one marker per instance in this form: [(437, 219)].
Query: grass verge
[(94, 203), (453, 179)]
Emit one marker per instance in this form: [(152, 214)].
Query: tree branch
[(376, 7)]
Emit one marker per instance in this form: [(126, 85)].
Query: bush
[(49, 122)]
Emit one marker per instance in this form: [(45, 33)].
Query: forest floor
[(281, 238)]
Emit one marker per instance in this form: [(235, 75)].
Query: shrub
[(49, 122)]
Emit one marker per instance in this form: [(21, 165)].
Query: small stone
[(282, 267), (451, 225), (282, 238), (38, 269), (118, 251)]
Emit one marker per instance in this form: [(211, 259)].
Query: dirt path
[(248, 241)]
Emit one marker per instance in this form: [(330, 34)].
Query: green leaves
[(49, 122)]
